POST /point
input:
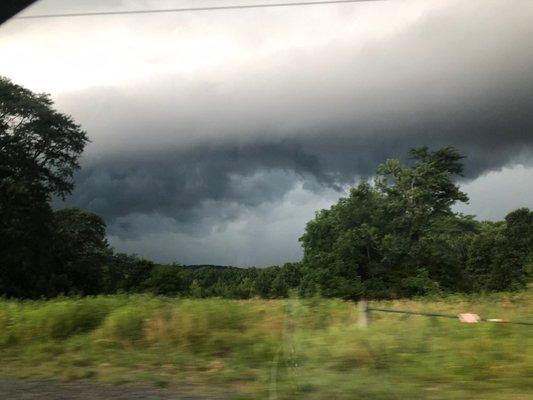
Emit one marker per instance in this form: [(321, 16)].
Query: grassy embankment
[(282, 349)]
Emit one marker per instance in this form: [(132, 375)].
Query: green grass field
[(277, 349)]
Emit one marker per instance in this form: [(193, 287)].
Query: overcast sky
[(217, 135)]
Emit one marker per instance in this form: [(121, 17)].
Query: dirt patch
[(19, 389)]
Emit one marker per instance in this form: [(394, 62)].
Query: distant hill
[(194, 267)]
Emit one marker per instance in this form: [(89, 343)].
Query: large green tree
[(37, 143), (498, 257), (81, 251), (423, 191), (396, 237), (39, 151)]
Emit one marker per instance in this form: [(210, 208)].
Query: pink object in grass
[(469, 318)]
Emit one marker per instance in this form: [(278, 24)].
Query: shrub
[(126, 324)]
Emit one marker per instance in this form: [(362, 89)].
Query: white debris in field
[(469, 318)]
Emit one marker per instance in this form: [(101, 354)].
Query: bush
[(419, 284), (126, 324), (56, 320)]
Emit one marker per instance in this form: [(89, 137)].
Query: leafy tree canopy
[(39, 151), (37, 143), (399, 236)]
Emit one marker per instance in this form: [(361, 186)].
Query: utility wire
[(192, 9), (496, 320)]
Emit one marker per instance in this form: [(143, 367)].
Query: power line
[(454, 316), (192, 9)]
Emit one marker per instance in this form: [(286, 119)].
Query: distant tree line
[(394, 237)]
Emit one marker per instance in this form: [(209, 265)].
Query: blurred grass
[(275, 349)]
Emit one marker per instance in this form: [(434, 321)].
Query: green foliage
[(167, 280), (81, 249), (400, 237), (419, 284), (125, 273), (26, 229), (195, 290), (39, 145), (286, 349), (227, 282), (30, 321), (39, 151), (267, 284), (499, 255), (124, 324)]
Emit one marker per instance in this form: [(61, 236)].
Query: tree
[(396, 237), (498, 257), (519, 232), (166, 280), (81, 249), (39, 151), (126, 273), (512, 256), (25, 239), (37, 143), (441, 250), (195, 290), (423, 191)]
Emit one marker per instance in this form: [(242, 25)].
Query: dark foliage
[(39, 150), (400, 237)]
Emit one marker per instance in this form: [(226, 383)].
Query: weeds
[(308, 349)]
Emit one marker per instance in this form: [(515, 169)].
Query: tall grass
[(293, 348)]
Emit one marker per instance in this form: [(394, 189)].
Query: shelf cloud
[(203, 124)]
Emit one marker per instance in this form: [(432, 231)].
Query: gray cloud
[(177, 183), (235, 113)]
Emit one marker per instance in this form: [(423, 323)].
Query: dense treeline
[(399, 237), (203, 281), (394, 237)]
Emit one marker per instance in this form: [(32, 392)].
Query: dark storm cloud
[(492, 132), (199, 147), (176, 183)]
